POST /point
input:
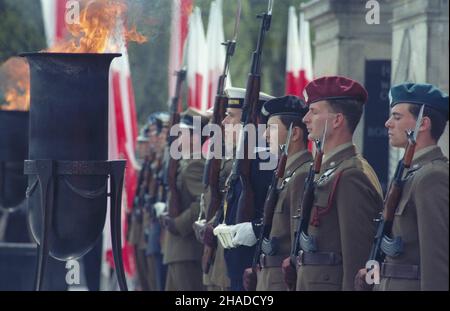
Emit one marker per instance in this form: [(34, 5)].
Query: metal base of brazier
[(47, 172)]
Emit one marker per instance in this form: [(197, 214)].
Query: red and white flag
[(197, 60), (216, 50), (53, 12), (298, 59), (122, 116), (293, 55), (123, 132), (306, 65), (181, 10)]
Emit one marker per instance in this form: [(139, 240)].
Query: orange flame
[(101, 28), (15, 85), (98, 28)]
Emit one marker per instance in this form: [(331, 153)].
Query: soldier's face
[(231, 124), (398, 123), (186, 142), (153, 136), (315, 120), (142, 149), (162, 138), (275, 134)]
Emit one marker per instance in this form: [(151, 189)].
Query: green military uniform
[(347, 198), (421, 220), (136, 238), (216, 279), (182, 252), (270, 276)]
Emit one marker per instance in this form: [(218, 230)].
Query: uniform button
[(332, 163)]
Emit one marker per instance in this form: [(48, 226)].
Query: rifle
[(172, 164), (242, 167), (153, 186), (308, 198), (383, 242), (269, 207), (136, 212), (211, 173)]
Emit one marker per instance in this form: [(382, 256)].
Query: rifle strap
[(318, 213)]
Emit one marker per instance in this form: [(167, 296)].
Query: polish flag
[(197, 61), (306, 66), (298, 59), (123, 132), (216, 50), (293, 55), (181, 10)]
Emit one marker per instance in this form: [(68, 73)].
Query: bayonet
[(288, 140), (237, 21), (270, 7), (412, 135)]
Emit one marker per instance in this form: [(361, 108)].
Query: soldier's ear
[(338, 120), (426, 124)]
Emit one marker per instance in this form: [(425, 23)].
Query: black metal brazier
[(68, 168)]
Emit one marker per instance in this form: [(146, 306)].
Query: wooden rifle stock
[(172, 167), (306, 205), (391, 202), (211, 175), (269, 207), (242, 167)]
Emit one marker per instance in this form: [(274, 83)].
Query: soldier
[(421, 217), (181, 251), (239, 258), (216, 279), (136, 232), (283, 112), (155, 268), (347, 196)]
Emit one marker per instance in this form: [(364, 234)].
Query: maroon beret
[(334, 87)]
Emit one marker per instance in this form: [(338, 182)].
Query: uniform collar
[(426, 155), (296, 160), (338, 154)]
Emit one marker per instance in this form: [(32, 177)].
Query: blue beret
[(288, 105), (420, 94)]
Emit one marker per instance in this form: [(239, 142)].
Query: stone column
[(344, 40), (420, 50)]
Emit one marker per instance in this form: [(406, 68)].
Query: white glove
[(159, 207), (225, 235), (243, 234)]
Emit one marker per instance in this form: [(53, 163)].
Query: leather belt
[(398, 271), (266, 261), (318, 258)]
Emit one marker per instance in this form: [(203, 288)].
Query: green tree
[(21, 28)]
